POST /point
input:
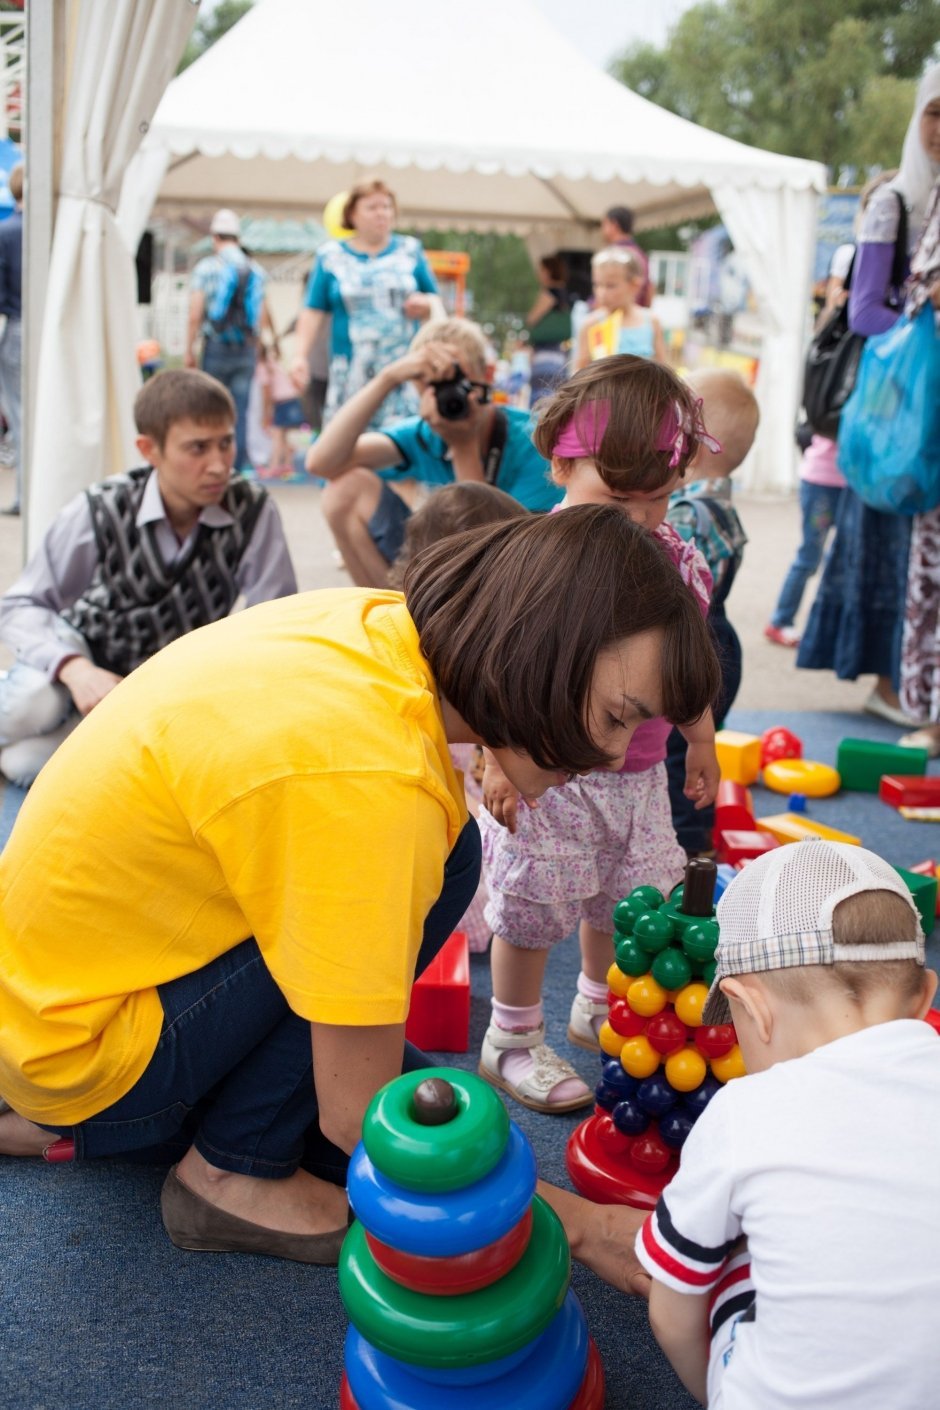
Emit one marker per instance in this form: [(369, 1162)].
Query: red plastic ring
[(347, 1401), (591, 1394), (459, 1273)]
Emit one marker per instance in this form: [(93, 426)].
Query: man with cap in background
[(227, 310)]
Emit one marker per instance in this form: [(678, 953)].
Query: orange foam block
[(439, 1018), (738, 756)]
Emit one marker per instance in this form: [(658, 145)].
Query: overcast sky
[(601, 28)]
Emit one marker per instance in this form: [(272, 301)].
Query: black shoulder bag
[(834, 354)]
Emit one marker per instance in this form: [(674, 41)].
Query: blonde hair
[(869, 918), (461, 333), (731, 415), (624, 259)]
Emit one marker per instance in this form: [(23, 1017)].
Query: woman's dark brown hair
[(453, 509), (642, 396), (513, 618)]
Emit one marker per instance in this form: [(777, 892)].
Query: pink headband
[(583, 434)]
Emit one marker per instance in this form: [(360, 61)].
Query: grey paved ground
[(770, 680)]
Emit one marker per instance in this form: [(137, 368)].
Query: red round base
[(591, 1394), (347, 1401), (598, 1161)]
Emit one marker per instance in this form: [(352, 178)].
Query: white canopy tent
[(485, 119)]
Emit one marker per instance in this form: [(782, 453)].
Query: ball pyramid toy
[(455, 1275), (661, 1064)]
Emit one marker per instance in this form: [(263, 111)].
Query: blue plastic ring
[(460, 1221)]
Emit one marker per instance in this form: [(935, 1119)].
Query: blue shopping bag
[(889, 432)]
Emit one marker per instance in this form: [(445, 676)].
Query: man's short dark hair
[(512, 620), (622, 217), (181, 394)]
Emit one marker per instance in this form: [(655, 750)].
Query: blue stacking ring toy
[(546, 1377), (448, 1223)]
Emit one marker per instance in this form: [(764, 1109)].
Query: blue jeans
[(233, 364), (232, 1072), (818, 505)]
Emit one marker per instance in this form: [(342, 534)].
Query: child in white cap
[(795, 1256)]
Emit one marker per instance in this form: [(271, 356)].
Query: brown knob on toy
[(434, 1102), (699, 888)]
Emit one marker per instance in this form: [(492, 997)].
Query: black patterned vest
[(135, 603)]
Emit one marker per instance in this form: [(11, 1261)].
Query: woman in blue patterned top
[(378, 287)]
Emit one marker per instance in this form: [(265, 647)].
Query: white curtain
[(774, 231), (119, 57)]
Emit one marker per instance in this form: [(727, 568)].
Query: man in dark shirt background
[(617, 229), (11, 281)]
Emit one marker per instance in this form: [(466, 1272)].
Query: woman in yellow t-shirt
[(259, 838)]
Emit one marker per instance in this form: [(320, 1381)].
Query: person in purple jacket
[(857, 619)]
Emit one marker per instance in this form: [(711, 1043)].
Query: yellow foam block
[(794, 827), (738, 756)]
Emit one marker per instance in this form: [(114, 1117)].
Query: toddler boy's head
[(730, 412), (453, 509), (818, 940)]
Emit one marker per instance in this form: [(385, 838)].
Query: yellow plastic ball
[(639, 1057), (333, 217), (617, 982), (610, 1042), (730, 1066), (689, 1004), (646, 997), (686, 1069)]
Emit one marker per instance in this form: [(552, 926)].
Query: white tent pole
[(45, 64)]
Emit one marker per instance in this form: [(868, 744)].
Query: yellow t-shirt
[(283, 773)]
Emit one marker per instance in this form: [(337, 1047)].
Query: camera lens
[(453, 398)]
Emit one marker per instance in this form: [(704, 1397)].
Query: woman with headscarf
[(856, 622)]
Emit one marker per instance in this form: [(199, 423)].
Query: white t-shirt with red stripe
[(830, 1165)]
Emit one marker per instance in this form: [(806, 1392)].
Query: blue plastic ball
[(629, 1119), (655, 1095), (696, 1102), (614, 1075), (674, 1127)]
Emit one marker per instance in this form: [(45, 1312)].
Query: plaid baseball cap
[(777, 913)]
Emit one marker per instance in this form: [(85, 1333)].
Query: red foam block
[(909, 791), (439, 1018), (738, 846), (733, 808)]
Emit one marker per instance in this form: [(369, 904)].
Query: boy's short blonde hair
[(731, 415), (462, 334), (867, 919), (624, 259)]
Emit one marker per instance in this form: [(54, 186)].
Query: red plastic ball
[(715, 1040), (624, 1021), (779, 743), (666, 1032), (650, 1154)]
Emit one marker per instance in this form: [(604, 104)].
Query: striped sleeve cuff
[(674, 1260)]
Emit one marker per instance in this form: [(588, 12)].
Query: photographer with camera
[(377, 478)]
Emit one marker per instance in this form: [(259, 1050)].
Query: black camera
[(453, 396)]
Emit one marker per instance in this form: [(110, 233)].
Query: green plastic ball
[(671, 969), (631, 959), (699, 941), (653, 931), (709, 972), (651, 898)]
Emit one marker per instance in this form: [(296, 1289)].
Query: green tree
[(501, 280), (831, 80), (210, 27)]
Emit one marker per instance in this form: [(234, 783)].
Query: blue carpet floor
[(99, 1312)]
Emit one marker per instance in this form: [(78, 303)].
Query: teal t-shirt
[(522, 471)]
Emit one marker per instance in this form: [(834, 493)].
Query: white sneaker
[(876, 705)]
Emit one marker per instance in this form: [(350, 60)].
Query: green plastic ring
[(427, 1330), (435, 1158)]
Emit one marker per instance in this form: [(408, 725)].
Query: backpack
[(236, 303)]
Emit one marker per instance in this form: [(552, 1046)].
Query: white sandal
[(549, 1070), (581, 1030)]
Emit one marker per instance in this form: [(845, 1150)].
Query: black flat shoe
[(193, 1223)]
